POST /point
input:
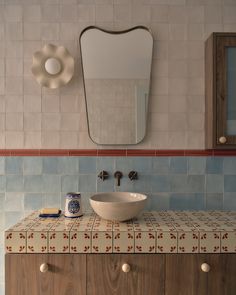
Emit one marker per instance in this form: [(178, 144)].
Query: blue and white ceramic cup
[(73, 206)]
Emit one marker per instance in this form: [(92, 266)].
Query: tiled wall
[(35, 117)]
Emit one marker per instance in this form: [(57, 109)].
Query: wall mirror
[(116, 72)]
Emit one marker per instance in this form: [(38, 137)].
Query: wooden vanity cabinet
[(66, 274), (105, 274), (220, 91), (184, 276)]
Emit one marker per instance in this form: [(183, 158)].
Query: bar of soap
[(49, 211)]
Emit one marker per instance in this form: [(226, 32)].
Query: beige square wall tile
[(37, 242), (101, 242), (13, 13), (188, 242), (80, 242), (68, 140), (32, 104), (50, 121), (123, 242), (145, 242), (14, 139), (32, 140), (14, 104), (14, 67), (15, 242), (166, 242), (69, 104), (50, 103), (32, 13), (209, 242), (228, 242), (14, 85), (32, 121), (14, 121), (58, 242), (50, 139)]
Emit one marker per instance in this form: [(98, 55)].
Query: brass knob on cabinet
[(43, 267), (125, 267), (205, 267), (222, 139)]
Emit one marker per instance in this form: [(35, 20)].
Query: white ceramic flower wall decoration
[(53, 66)]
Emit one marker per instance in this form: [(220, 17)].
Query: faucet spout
[(118, 175)]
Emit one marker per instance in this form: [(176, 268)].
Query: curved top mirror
[(116, 72)]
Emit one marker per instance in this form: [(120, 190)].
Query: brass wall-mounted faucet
[(118, 175)]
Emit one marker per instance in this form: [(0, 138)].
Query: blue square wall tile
[(187, 201), (178, 165), (229, 201), (14, 201), (15, 183), (87, 165), (51, 183), (195, 183), (229, 165), (214, 183), (2, 183), (87, 182), (214, 201), (160, 183), (50, 165), (68, 165), (160, 201), (196, 165), (2, 201), (69, 183), (142, 164), (124, 164), (229, 183), (33, 201), (107, 185), (214, 165), (106, 164), (33, 165), (33, 183), (52, 200), (160, 165), (2, 165), (178, 183), (14, 165)]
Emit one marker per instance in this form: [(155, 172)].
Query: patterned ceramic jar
[(73, 206)]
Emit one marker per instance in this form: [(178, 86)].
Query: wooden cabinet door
[(220, 109), (183, 275), (222, 275), (66, 274), (105, 275)]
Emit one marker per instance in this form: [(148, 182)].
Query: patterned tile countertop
[(152, 232)]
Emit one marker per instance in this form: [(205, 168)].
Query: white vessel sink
[(118, 206)]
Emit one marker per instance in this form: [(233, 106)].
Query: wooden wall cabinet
[(105, 274), (220, 90)]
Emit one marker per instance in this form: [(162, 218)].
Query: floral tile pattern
[(151, 232)]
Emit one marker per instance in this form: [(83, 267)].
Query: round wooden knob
[(44, 267), (222, 139), (125, 267), (205, 267)]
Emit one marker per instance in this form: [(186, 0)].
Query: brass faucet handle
[(133, 175), (103, 175)]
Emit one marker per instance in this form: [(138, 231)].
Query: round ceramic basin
[(118, 206)]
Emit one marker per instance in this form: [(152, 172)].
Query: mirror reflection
[(116, 70)]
